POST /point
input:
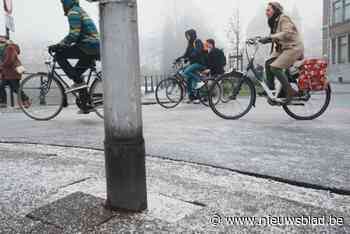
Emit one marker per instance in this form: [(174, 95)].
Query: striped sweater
[(83, 31)]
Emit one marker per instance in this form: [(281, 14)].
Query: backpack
[(222, 58)]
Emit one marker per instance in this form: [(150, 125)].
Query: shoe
[(84, 112), (291, 93), (76, 87), (272, 103), (65, 103), (196, 101), (199, 85), (27, 104)]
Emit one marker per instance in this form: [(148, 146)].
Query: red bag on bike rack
[(313, 75)]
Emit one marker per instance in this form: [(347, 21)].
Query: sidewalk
[(49, 189), (340, 88)]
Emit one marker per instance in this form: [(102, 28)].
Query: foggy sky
[(44, 20), (40, 23)]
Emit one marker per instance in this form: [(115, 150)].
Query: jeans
[(14, 86), (192, 77), (84, 63)]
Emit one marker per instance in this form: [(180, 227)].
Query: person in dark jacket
[(216, 59), (195, 54), (81, 43)]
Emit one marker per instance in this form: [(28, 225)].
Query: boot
[(287, 88)]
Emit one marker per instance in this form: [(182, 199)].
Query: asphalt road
[(266, 142)]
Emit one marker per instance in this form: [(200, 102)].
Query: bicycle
[(240, 93), (48, 96), (173, 90)]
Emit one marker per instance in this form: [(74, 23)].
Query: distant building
[(336, 38)]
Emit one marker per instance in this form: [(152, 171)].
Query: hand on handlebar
[(56, 47), (265, 40), (253, 41)]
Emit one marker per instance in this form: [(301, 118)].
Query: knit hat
[(277, 5), (69, 4)]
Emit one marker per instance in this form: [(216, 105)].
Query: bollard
[(124, 142)]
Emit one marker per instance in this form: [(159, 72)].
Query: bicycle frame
[(52, 67), (272, 94)]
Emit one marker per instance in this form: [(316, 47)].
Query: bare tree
[(234, 36)]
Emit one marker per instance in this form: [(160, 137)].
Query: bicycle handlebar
[(253, 40)]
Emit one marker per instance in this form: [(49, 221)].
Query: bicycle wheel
[(46, 95), (240, 97), (314, 105), (169, 93), (96, 96), (210, 87)]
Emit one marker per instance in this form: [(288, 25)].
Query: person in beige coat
[(287, 48)]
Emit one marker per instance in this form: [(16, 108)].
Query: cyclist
[(11, 70), (81, 43), (196, 55), (216, 59), (287, 48)]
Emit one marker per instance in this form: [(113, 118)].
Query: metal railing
[(152, 81)]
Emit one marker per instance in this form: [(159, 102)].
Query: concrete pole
[(124, 142)]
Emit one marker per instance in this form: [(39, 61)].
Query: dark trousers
[(14, 86), (270, 77), (84, 62)]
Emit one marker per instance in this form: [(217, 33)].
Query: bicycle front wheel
[(169, 93), (96, 97), (41, 97), (236, 99)]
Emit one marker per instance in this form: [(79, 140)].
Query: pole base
[(126, 175)]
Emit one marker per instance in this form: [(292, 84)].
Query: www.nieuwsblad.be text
[(217, 220)]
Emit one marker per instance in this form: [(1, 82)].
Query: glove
[(265, 40), (178, 60), (56, 47)]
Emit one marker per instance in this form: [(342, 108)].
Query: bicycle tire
[(171, 86), (324, 107), (34, 109), (248, 84)]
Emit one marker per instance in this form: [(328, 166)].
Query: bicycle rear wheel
[(96, 97), (45, 94), (239, 93), (316, 104), (169, 93)]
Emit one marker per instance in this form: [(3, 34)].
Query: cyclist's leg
[(15, 87), (193, 78), (282, 62), (84, 63), (269, 75), (62, 57), (3, 94), (280, 74)]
